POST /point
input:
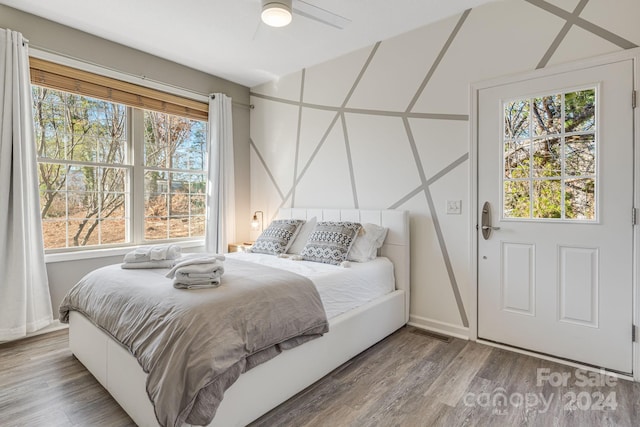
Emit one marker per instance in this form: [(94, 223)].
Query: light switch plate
[(454, 207)]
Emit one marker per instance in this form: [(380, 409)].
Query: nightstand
[(239, 247)]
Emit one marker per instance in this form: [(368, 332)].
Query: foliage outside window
[(550, 157), (86, 172)]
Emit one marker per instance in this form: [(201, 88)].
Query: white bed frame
[(261, 389)]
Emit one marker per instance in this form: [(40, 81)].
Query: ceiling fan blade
[(319, 14)]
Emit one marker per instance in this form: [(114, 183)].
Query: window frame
[(134, 207), (596, 86)]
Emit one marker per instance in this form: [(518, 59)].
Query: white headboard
[(396, 246)]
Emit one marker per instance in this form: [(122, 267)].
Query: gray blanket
[(194, 344)]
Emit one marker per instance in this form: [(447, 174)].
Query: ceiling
[(226, 38)]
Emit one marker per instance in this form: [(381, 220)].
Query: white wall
[(388, 127)]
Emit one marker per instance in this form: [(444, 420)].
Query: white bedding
[(341, 289)]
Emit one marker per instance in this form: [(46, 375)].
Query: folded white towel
[(167, 263), (200, 285), (211, 270), (197, 271), (180, 274), (153, 253), (196, 281), (196, 259), (198, 276)]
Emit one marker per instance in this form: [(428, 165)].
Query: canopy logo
[(579, 397), (500, 401)]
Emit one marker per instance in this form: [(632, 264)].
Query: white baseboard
[(439, 327), (54, 326)]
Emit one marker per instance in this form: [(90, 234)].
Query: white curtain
[(25, 303), (221, 212)]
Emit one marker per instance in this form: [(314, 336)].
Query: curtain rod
[(141, 77), (249, 106)]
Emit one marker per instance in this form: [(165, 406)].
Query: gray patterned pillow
[(277, 238), (330, 242)]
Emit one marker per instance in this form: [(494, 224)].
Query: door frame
[(475, 88)]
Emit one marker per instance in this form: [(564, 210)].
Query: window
[(86, 148), (174, 177), (550, 157), (82, 166)]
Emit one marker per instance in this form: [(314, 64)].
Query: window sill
[(109, 252)]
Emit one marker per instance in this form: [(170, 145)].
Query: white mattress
[(341, 289)]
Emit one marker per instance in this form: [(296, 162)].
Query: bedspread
[(194, 344)]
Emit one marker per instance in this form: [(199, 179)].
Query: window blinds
[(68, 79)]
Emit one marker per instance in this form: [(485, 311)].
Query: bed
[(261, 389)]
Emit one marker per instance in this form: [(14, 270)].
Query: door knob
[(487, 228)]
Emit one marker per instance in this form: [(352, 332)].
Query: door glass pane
[(547, 115), (516, 120), (516, 199), (580, 114), (516, 159), (580, 155), (546, 199), (550, 168), (547, 160), (580, 198)]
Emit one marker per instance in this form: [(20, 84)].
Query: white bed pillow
[(303, 235), (368, 241), (330, 242), (277, 238)]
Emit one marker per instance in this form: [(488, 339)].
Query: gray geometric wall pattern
[(348, 140)]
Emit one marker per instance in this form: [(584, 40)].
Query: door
[(555, 166)]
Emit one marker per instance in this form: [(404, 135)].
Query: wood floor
[(409, 379)]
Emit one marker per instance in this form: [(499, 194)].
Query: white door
[(555, 164)]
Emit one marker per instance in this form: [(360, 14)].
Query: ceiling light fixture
[(276, 13)]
